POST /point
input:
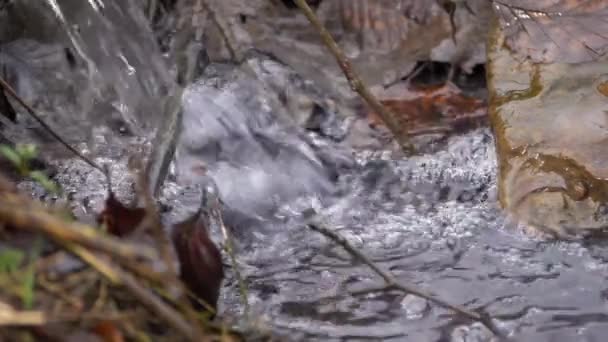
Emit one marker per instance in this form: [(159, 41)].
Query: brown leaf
[(385, 38), (118, 219), (385, 25), (6, 186), (201, 267), (435, 109), (549, 31), (108, 332)]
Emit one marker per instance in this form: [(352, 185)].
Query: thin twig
[(157, 306), (392, 284), (59, 293), (232, 51), (21, 214), (370, 290), (12, 317), (355, 81), (48, 128), (164, 245), (147, 272), (152, 6), (165, 140), (229, 247), (120, 278), (154, 220)]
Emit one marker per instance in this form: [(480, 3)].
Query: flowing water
[(92, 70), (432, 220)]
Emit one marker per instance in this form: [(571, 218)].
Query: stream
[(433, 220)]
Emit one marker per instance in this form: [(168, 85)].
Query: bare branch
[(229, 247), (21, 214), (32, 112), (392, 284), (355, 81)]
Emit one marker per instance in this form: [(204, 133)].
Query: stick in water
[(392, 284), (355, 81), (48, 128)]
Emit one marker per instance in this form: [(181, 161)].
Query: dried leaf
[(108, 332), (384, 25), (435, 109), (549, 31), (118, 219), (6, 186), (385, 38), (201, 267)]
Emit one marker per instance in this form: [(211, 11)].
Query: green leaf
[(45, 182), (10, 260), (29, 281), (12, 155), (27, 151)]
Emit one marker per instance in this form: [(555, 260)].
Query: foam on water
[(433, 221)]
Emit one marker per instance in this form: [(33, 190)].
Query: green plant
[(12, 270), (21, 157), (10, 260)]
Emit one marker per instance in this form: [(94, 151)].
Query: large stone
[(550, 123)]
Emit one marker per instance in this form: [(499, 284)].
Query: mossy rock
[(551, 127)]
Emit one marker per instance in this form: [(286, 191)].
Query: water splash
[(107, 69)]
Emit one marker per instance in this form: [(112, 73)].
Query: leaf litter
[(114, 289)]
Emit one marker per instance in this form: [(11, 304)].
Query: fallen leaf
[(434, 109), (6, 186), (385, 38), (201, 267), (385, 25), (108, 332), (118, 219), (549, 31)]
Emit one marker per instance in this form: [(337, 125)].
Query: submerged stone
[(550, 126)]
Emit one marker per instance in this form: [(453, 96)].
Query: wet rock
[(474, 333), (414, 306), (540, 37), (302, 100), (179, 28), (466, 47), (383, 38), (550, 127)]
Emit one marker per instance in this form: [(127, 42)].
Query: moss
[(496, 50), (523, 99), (574, 174)]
